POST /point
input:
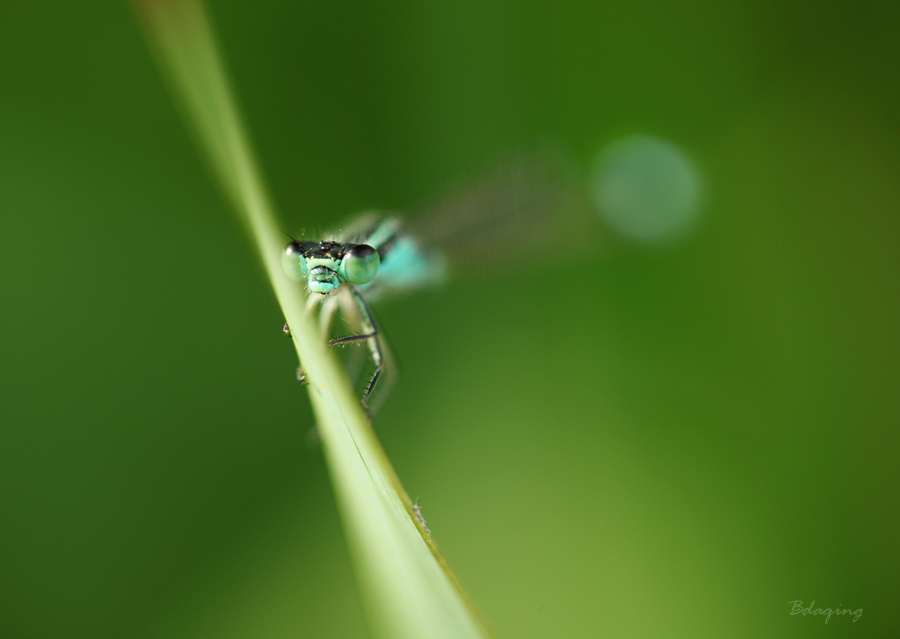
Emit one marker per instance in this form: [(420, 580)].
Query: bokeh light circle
[(646, 188)]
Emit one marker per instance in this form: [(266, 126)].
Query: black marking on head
[(324, 250), (337, 250)]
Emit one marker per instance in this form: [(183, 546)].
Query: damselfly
[(532, 202)]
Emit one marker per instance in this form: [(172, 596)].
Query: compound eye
[(293, 263), (360, 264)]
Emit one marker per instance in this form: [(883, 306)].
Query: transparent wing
[(534, 204)]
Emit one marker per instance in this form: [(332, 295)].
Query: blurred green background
[(677, 443)]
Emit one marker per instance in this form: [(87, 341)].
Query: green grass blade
[(407, 587)]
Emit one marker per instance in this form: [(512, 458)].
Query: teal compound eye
[(360, 264), (293, 262)]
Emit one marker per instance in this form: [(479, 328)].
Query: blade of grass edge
[(407, 587)]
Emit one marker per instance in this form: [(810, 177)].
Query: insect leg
[(370, 335)]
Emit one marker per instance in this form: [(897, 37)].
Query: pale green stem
[(408, 589)]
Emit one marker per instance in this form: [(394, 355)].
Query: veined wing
[(532, 206), (527, 210)]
